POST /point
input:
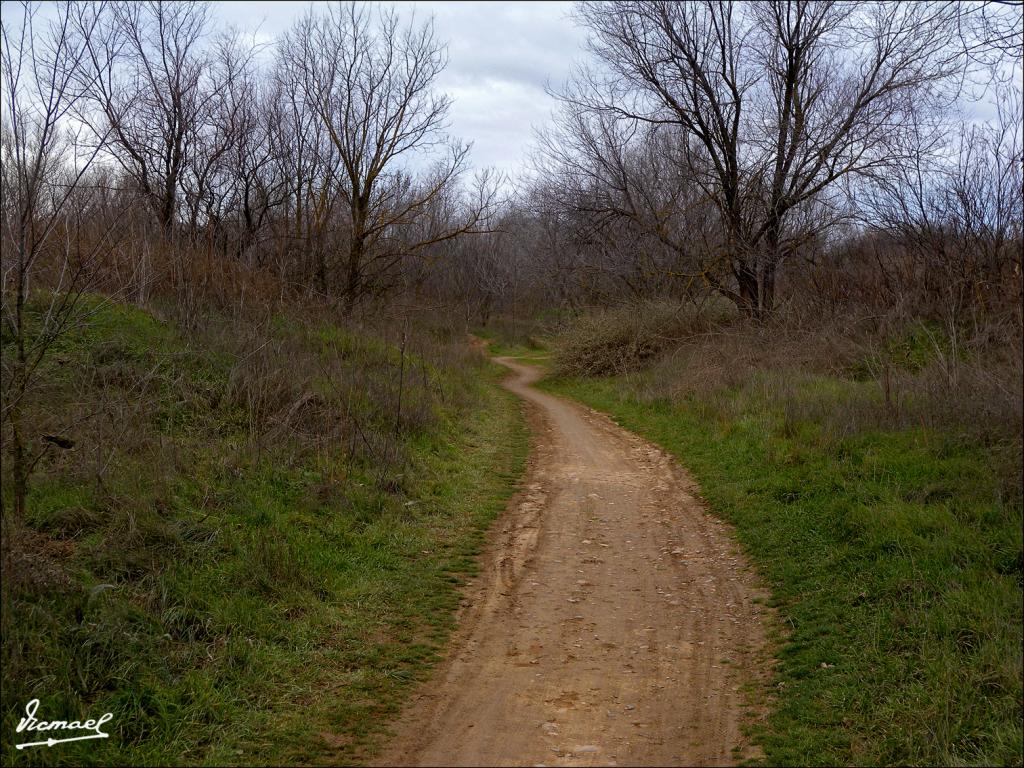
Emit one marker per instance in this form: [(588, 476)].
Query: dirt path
[(614, 621)]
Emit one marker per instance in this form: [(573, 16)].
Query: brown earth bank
[(615, 621)]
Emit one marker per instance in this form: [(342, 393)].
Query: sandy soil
[(614, 622)]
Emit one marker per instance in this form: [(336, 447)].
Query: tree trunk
[(755, 295), (746, 281), (356, 254), (353, 278), (19, 468), (166, 211), (766, 302), (19, 461)]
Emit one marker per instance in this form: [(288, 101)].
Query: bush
[(623, 339)]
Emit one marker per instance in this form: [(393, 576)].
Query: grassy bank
[(254, 548), (893, 550)]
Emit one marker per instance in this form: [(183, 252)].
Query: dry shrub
[(981, 401), (269, 381), (301, 386), (619, 340), (355, 391), (527, 332), (983, 396)]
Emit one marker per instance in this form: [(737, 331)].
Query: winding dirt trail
[(614, 621)]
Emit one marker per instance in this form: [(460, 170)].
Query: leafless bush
[(615, 341), (981, 401), (981, 395)]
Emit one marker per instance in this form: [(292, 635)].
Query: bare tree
[(308, 168), (952, 220), (371, 82), (777, 103), (46, 205), (992, 31), (631, 183), (255, 186), (150, 91), (228, 120)]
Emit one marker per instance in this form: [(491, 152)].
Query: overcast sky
[(501, 54)]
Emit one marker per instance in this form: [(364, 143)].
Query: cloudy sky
[(501, 54)]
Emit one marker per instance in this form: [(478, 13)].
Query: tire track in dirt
[(615, 621)]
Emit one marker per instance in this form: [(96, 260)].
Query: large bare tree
[(153, 96), (631, 183), (776, 103)]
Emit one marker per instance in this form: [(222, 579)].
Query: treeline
[(322, 160), (763, 152)]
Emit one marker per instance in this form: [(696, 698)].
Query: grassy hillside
[(255, 545), (888, 529)]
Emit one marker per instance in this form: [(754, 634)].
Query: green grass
[(519, 352), (894, 559), (239, 607)]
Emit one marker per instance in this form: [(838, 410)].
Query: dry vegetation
[(245, 443), (899, 372), (236, 521), (242, 465)]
